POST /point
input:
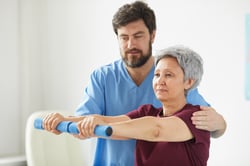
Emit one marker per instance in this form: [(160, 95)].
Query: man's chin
[(135, 62), (135, 65)]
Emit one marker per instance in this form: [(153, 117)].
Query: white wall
[(9, 79), (53, 45)]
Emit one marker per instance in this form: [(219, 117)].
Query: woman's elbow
[(154, 134)]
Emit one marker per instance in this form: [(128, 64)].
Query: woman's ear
[(188, 83)]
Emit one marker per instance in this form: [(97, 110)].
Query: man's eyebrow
[(137, 33)]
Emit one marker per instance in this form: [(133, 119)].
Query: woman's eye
[(156, 74), (168, 75)]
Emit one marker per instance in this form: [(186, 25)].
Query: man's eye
[(123, 38), (138, 36)]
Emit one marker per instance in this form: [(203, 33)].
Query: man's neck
[(139, 74)]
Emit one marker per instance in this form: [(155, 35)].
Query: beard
[(135, 61)]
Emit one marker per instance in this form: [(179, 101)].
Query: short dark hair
[(133, 12)]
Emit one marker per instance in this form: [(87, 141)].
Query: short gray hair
[(190, 62)]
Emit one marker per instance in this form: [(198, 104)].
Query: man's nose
[(131, 43)]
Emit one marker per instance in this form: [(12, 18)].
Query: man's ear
[(153, 36), (188, 83)]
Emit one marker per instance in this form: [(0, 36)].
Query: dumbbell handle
[(70, 127)]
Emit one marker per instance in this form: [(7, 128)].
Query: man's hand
[(208, 119)]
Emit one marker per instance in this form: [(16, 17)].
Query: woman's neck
[(170, 108)]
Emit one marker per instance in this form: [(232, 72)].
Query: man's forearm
[(218, 133)]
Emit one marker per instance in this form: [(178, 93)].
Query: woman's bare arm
[(153, 129)]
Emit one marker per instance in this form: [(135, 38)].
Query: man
[(125, 84)]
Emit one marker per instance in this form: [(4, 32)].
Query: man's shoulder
[(195, 98), (113, 69), (113, 66)]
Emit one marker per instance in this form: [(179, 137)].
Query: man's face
[(135, 43)]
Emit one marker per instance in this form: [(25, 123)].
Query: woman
[(166, 135)]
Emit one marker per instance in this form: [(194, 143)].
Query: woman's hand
[(87, 126), (51, 121)]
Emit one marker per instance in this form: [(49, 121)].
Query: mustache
[(133, 50)]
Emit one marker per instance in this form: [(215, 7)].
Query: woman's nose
[(160, 80)]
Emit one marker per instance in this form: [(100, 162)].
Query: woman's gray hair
[(190, 62)]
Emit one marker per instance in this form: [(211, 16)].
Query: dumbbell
[(71, 127)]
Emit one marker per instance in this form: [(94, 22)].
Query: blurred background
[(48, 49)]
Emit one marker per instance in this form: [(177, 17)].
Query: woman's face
[(168, 81)]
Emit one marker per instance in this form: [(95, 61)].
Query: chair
[(47, 149)]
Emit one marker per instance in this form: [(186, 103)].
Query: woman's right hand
[(51, 121)]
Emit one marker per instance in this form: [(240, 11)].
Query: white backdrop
[(53, 45)]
